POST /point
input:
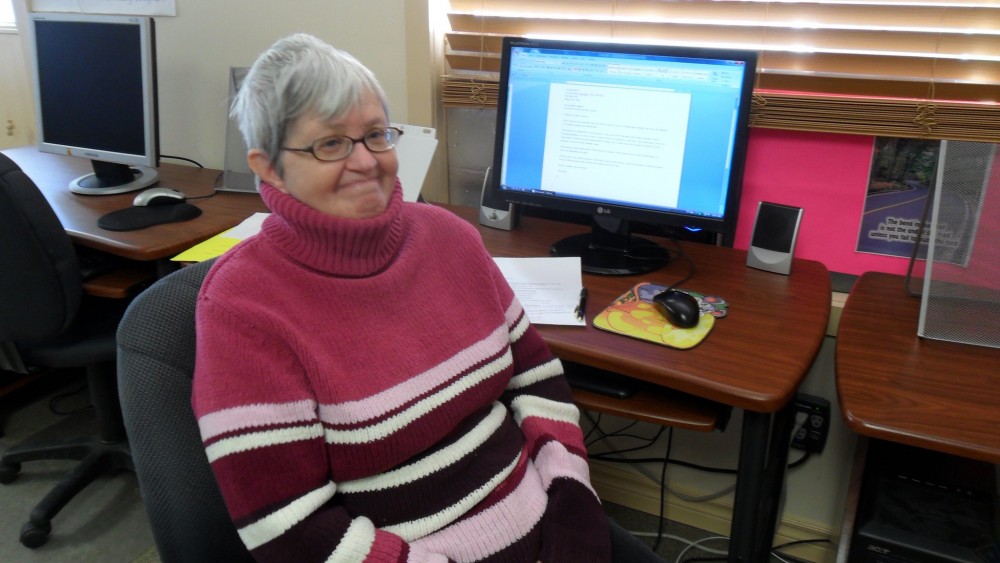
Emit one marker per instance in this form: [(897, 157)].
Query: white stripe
[(432, 463), (356, 543), (264, 439), (280, 521), (516, 332), (421, 527), (530, 405), (545, 371), (396, 422)]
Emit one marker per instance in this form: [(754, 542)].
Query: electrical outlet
[(811, 437)]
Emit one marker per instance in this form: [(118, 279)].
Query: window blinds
[(906, 68)]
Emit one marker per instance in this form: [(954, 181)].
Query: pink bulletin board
[(826, 174)]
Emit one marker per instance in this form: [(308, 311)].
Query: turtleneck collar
[(333, 245)]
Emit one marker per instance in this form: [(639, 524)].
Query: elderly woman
[(367, 386)]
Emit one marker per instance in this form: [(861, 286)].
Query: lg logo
[(603, 211)]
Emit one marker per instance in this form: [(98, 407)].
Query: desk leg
[(759, 484), (165, 266)]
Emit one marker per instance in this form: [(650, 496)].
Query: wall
[(827, 175), (196, 48), (815, 492), (15, 95)]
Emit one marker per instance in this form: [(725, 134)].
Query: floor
[(106, 523)]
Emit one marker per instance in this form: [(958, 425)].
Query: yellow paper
[(222, 242), (215, 246)]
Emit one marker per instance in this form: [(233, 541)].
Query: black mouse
[(681, 309)]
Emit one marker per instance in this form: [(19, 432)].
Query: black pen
[(581, 308)]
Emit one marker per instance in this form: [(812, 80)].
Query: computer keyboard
[(600, 381)]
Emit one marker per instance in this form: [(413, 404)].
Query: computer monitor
[(625, 133), (95, 96)]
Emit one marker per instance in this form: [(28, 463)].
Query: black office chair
[(156, 351), (46, 321)]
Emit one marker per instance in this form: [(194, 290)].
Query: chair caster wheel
[(8, 472), (33, 535)]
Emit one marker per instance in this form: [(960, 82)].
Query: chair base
[(96, 459)]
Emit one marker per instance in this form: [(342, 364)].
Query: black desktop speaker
[(494, 211), (773, 240)]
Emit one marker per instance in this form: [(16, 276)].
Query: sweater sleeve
[(575, 527), (266, 446)]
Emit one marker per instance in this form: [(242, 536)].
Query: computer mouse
[(158, 196), (679, 308)]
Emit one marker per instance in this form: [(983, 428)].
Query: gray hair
[(298, 75)]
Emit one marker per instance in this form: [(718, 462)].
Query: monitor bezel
[(724, 225), (150, 157)]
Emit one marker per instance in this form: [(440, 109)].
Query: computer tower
[(919, 506)]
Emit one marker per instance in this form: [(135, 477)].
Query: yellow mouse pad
[(634, 315)]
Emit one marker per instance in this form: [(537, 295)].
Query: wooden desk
[(79, 213), (754, 358), (894, 385)]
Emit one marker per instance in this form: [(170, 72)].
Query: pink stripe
[(554, 461), (495, 528), (270, 414), (514, 312), (377, 405)]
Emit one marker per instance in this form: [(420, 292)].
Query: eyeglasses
[(340, 147)]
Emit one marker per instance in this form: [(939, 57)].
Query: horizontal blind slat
[(873, 65)]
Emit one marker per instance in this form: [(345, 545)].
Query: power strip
[(811, 437)]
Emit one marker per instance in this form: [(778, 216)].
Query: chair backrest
[(39, 274), (156, 352)]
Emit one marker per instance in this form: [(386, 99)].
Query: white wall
[(196, 48), (16, 109)]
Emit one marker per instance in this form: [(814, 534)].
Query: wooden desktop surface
[(894, 385), (754, 358), (79, 213)]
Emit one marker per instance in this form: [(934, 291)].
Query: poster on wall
[(127, 7), (900, 180)]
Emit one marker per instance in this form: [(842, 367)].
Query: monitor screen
[(95, 96), (625, 133)]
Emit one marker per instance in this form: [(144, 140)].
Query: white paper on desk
[(249, 227), (548, 288)]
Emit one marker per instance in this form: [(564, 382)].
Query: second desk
[(79, 213)]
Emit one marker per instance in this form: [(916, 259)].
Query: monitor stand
[(110, 178), (610, 249)]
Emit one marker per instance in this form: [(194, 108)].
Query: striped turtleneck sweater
[(372, 390)]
